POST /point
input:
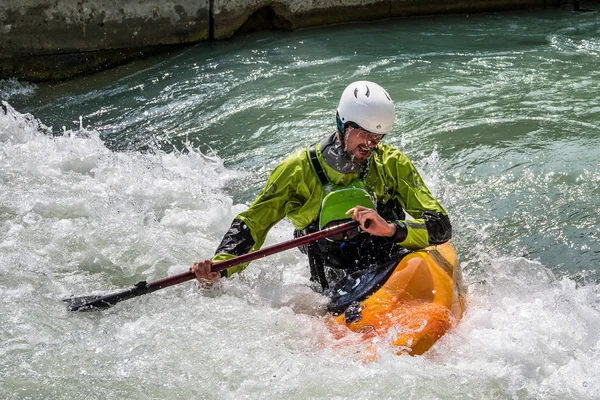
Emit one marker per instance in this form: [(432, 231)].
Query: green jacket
[(293, 190)]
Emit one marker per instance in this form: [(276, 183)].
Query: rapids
[(135, 173)]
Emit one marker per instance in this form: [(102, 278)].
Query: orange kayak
[(422, 298)]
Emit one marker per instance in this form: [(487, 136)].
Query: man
[(348, 175)]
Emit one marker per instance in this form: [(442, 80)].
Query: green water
[(500, 113), (509, 103)]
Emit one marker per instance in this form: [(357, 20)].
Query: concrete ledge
[(54, 40), (408, 8), (64, 66), (29, 27)]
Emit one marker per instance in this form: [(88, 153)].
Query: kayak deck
[(421, 300)]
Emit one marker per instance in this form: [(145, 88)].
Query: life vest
[(351, 251), (338, 199)]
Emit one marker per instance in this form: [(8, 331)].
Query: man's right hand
[(203, 272)]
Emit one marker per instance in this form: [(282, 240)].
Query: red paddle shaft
[(90, 303)]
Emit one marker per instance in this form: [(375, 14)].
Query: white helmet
[(368, 105)]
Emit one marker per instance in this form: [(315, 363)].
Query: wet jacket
[(293, 190)]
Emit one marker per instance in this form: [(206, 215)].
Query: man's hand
[(203, 272), (376, 224)]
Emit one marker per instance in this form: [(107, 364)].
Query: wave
[(77, 218)]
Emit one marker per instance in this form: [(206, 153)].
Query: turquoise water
[(136, 172)]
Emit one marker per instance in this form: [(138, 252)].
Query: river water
[(135, 173)]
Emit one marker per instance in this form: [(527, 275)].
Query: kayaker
[(350, 174)]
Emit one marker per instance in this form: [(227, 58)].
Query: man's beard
[(336, 156)]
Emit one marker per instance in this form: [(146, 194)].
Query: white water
[(76, 218)]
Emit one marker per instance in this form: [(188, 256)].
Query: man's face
[(360, 144)]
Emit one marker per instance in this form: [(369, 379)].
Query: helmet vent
[(368, 91), (356, 93)]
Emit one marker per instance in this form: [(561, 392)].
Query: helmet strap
[(338, 121), (340, 128)]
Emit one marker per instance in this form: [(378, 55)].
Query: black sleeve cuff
[(401, 232)]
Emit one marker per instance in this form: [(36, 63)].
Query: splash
[(12, 87)]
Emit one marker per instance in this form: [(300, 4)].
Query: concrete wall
[(50, 39), (58, 39), (231, 15)]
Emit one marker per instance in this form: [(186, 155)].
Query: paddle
[(90, 303)]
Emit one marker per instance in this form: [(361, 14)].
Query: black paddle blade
[(102, 302), (88, 303)]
